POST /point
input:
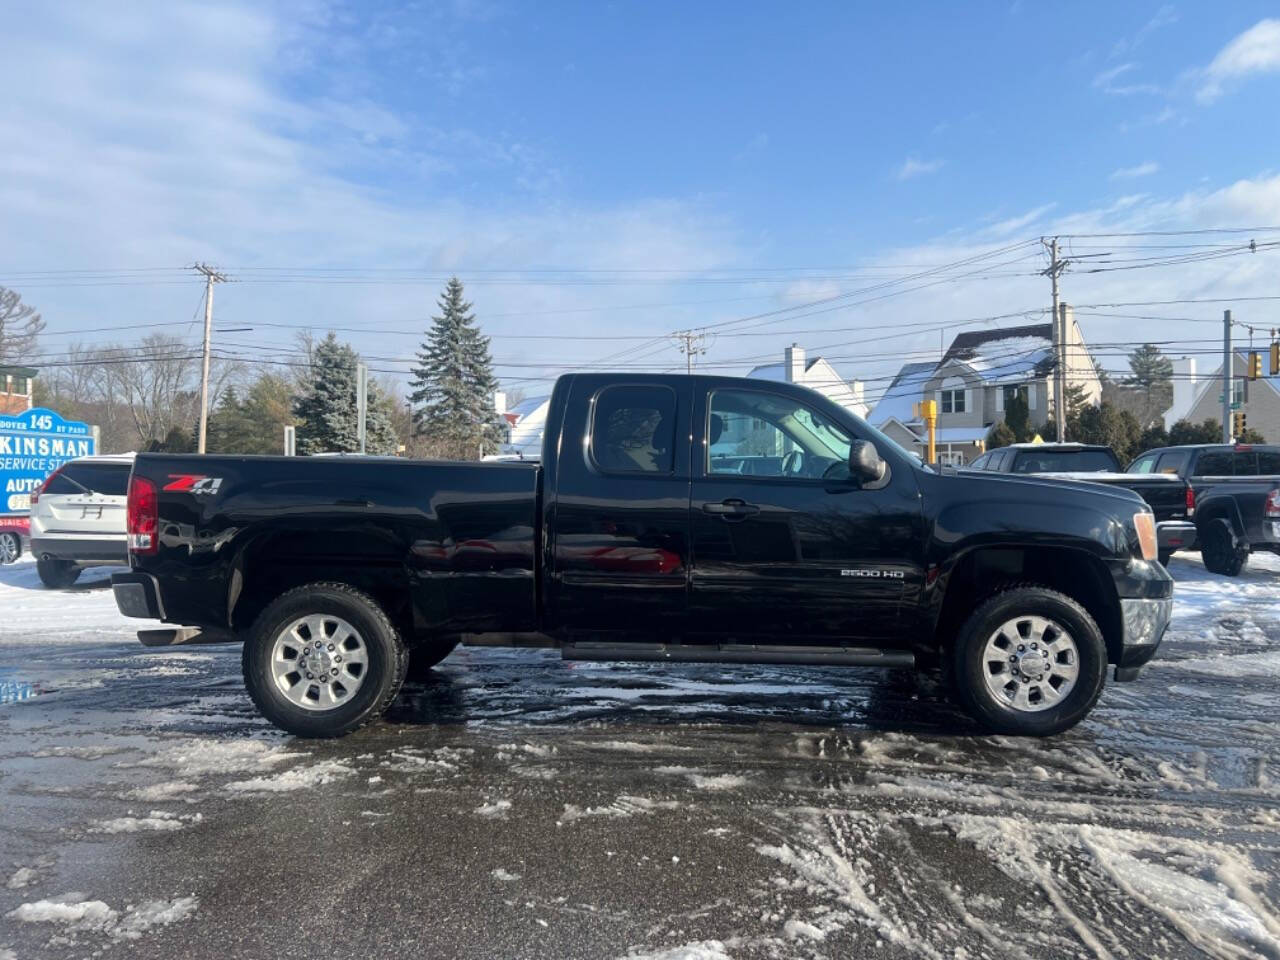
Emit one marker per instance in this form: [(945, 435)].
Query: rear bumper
[(137, 595), (1174, 535), (82, 549)]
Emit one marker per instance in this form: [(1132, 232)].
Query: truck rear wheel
[(1030, 662), (323, 660), (1219, 552), (55, 573)]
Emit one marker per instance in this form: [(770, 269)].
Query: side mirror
[(865, 465)]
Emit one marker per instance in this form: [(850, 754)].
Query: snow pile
[(497, 808), (163, 791), (22, 877), (699, 950), (203, 757), (77, 915), (723, 781), (155, 820), (506, 876), (36, 614), (299, 778)]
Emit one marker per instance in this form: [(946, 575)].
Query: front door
[(786, 546)]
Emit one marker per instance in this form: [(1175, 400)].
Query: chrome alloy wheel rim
[(319, 662), (1030, 664), (8, 547)]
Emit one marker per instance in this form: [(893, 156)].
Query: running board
[(741, 653), (184, 636)]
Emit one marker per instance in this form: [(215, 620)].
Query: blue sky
[(718, 148)]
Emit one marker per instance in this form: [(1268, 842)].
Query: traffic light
[(1238, 423), (1255, 365), (1275, 357)]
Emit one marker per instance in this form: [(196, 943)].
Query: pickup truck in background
[(670, 518), (1231, 495), (1166, 493)]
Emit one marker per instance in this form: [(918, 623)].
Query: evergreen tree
[(256, 423), (1184, 431), (326, 408), (1152, 437), (1000, 436), (1152, 379), (1107, 425), (453, 383), (1017, 417)]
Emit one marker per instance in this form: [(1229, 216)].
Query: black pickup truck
[(673, 518)]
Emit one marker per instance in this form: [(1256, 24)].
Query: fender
[(1222, 507)]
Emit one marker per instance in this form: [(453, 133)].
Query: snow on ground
[(85, 611)]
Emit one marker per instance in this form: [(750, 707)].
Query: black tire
[(969, 669), (1165, 557), (387, 660), (10, 546), (424, 657), (1218, 552), (57, 574)]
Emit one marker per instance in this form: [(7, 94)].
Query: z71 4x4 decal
[(193, 483)]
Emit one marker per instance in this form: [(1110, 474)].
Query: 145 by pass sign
[(32, 446)]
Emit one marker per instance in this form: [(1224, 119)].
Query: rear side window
[(1214, 464), (1269, 462), (633, 430), (107, 479), (1173, 463), (1244, 464), (998, 461)]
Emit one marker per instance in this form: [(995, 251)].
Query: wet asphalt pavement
[(521, 806)]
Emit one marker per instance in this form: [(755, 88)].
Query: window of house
[(633, 429), (953, 401), (19, 387)]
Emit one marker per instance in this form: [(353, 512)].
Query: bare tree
[(20, 325)]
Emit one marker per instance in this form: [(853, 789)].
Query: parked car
[(14, 532), (630, 540), (78, 518), (1166, 493)]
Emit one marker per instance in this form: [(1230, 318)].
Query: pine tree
[(1000, 435), (326, 409), (1017, 417), (453, 383), (1153, 379)]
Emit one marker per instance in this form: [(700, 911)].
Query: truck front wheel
[(323, 660), (1029, 662)]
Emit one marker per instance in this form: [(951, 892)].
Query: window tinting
[(981, 462), (1064, 461), (1142, 465), (634, 430), (108, 479), (1214, 464), (1173, 463), (1244, 463), (998, 461), (1269, 462)]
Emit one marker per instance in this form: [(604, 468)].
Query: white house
[(525, 422), (816, 374)]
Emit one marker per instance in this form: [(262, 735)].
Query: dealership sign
[(32, 446)]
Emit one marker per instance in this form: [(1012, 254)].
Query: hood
[(1116, 499)]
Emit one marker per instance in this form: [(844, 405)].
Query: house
[(1259, 399), (525, 421), (816, 374), (15, 389), (978, 374)]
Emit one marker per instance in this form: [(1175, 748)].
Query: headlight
[(1145, 523)]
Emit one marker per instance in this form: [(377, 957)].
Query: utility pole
[(1226, 376), (362, 401), (211, 276), (691, 344), (1056, 267)]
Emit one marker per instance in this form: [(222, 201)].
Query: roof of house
[(527, 406), (777, 371), (903, 393), (1011, 353), (1213, 381)]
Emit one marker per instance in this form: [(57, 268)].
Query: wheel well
[(984, 571), (271, 567)]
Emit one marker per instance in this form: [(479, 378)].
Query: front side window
[(633, 429), (1142, 464), (766, 435), (953, 401), (981, 462)]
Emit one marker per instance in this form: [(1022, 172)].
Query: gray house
[(979, 373), (1259, 399)]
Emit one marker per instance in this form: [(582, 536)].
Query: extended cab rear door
[(618, 530), (786, 547)]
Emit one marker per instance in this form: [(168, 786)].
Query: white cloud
[(1002, 228), (1108, 82), (1257, 50), (1132, 173), (915, 167)]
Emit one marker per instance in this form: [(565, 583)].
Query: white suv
[(78, 518)]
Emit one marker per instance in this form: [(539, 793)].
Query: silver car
[(78, 518)]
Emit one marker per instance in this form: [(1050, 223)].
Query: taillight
[(35, 495), (143, 516), (1273, 504), (1191, 502)]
